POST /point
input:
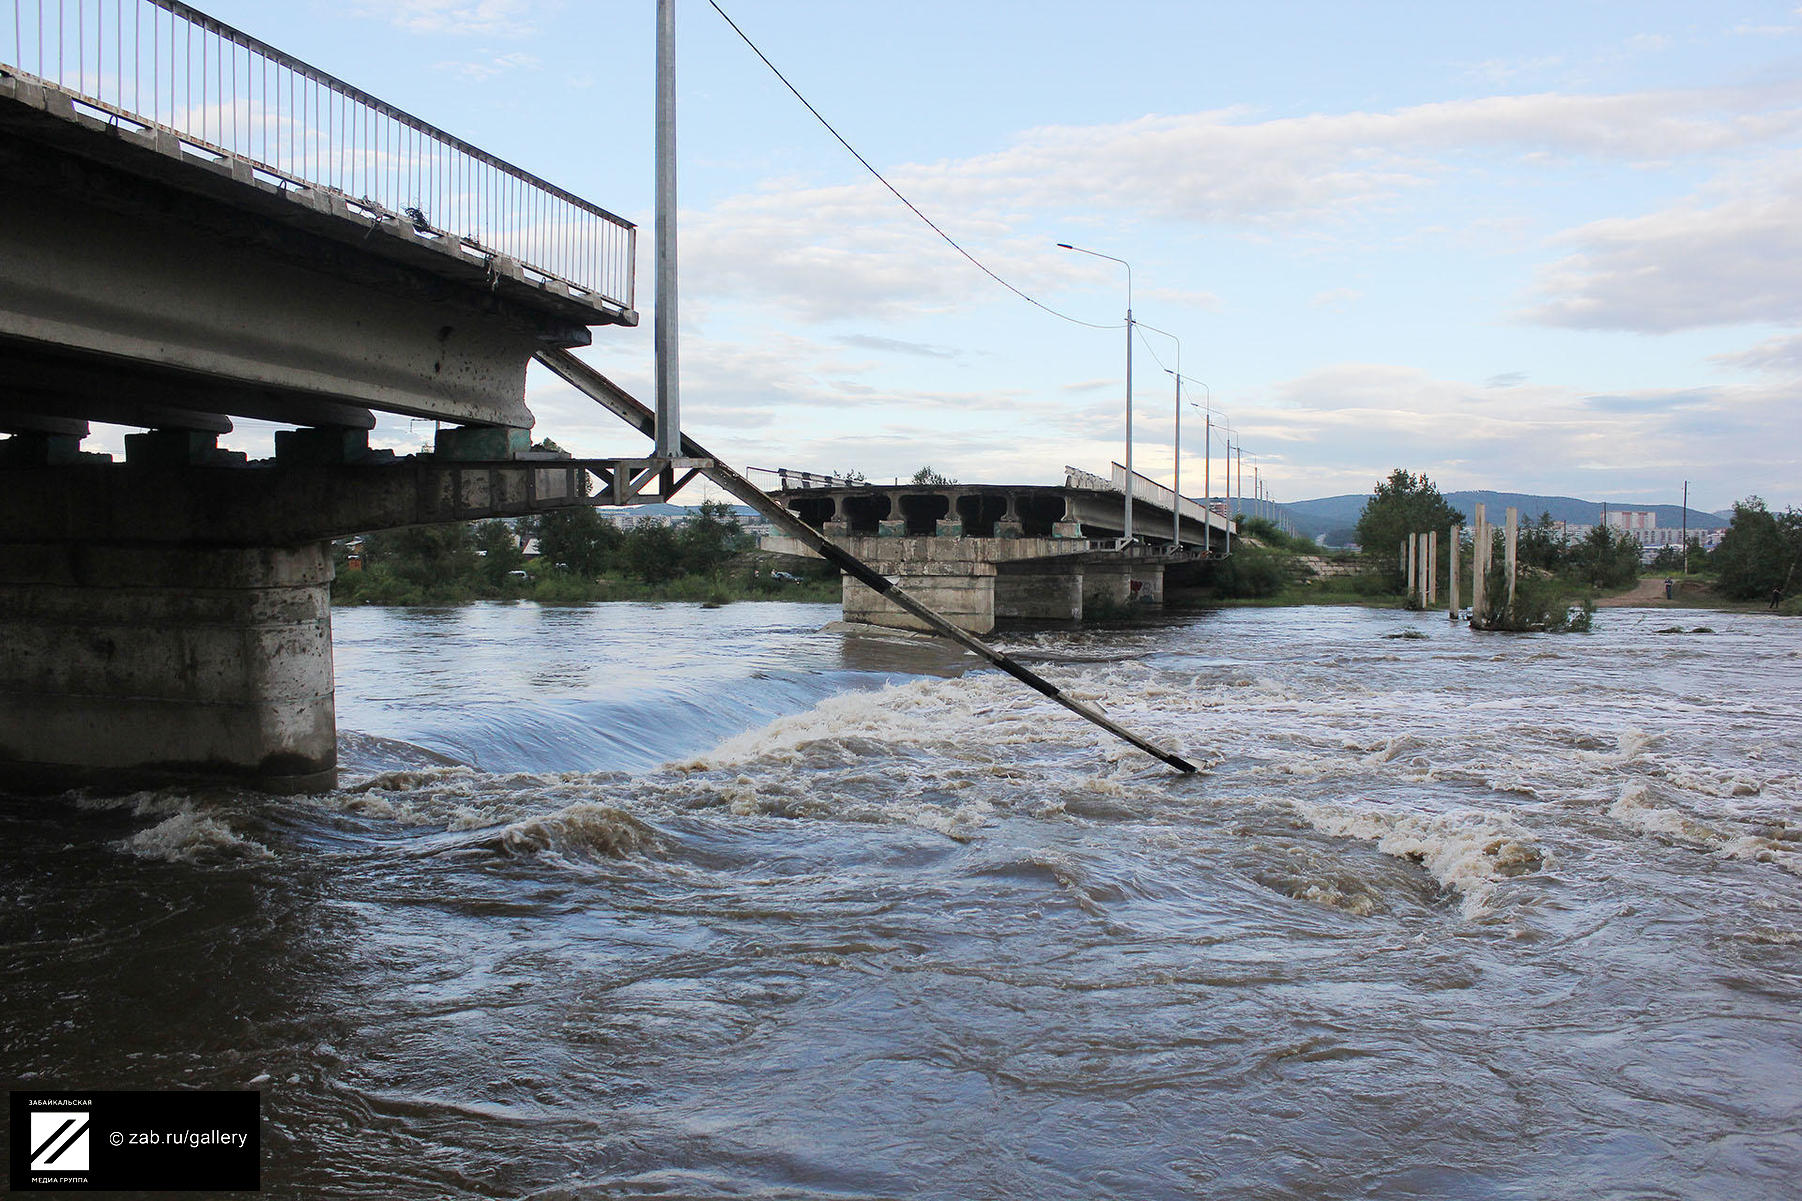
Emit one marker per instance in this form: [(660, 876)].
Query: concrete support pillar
[(480, 443), (1041, 591), (962, 593), (1105, 586), (1432, 567), (123, 665), (1010, 524), (1511, 549), (1454, 539), (1149, 581), (1479, 565)]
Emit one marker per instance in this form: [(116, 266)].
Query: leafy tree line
[(1761, 555), (582, 556)]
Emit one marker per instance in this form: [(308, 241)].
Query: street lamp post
[(1207, 467), (1127, 532), (1176, 478)]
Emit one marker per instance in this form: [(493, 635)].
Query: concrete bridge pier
[(961, 592), (1043, 590), (123, 663), (1120, 583)]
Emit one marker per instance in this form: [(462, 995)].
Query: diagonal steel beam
[(592, 383)]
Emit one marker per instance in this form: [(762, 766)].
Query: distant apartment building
[(1641, 525)]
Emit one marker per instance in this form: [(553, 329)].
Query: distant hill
[(1335, 516)]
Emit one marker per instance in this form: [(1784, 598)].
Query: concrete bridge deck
[(295, 251), (988, 554)]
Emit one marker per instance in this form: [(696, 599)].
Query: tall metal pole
[(1176, 474), (1176, 484), (1127, 532), (1226, 486), (668, 436), (1686, 529), (1207, 482)]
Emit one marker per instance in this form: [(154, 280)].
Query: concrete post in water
[(1479, 565), (1408, 567), (1432, 567), (1511, 550), (1452, 565)]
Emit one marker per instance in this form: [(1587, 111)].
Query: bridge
[(196, 227), (988, 554)]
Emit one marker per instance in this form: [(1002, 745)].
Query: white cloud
[(833, 251), (1336, 300), (1343, 427), (483, 18), (499, 64), (1688, 267), (1777, 355)]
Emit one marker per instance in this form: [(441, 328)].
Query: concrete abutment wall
[(126, 664)]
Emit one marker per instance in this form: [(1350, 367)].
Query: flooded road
[(657, 901)]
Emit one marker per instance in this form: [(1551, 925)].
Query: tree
[(709, 538), (926, 475), (1760, 551), (426, 556), (1403, 504), (1606, 558), (578, 539), (1674, 558), (1541, 544), (651, 553), (499, 547)]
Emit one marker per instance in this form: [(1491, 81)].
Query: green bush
[(1248, 573)]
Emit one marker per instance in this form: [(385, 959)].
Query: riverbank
[(373, 588), (1691, 593)]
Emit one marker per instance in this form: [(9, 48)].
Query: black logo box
[(146, 1141)]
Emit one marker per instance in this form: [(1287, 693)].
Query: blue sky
[(1532, 247)]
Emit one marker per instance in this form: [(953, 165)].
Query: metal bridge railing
[(162, 64)]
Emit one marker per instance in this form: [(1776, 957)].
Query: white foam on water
[(1776, 841), (190, 836), (583, 830), (1469, 851)]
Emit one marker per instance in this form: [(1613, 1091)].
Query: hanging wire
[(932, 225)]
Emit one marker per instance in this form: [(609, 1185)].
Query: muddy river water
[(661, 901)]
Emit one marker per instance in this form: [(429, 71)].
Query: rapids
[(661, 901)]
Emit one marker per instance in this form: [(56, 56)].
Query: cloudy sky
[(1538, 247)]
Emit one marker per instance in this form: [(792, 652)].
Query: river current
[(662, 901)]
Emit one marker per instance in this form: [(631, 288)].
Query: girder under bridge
[(985, 555)]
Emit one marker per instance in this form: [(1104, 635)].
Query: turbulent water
[(658, 901)]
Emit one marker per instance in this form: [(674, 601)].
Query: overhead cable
[(931, 224)]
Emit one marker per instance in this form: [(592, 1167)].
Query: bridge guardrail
[(165, 65)]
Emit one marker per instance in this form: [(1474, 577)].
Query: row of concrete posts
[(1419, 562)]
